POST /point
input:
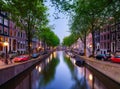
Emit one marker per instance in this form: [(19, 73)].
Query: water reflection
[(59, 72), (77, 75)]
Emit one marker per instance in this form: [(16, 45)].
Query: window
[(118, 35), (5, 31), (113, 36), (21, 34), (21, 46), (18, 45), (118, 27), (11, 33), (14, 33), (1, 39), (6, 22), (108, 37), (18, 34), (104, 37), (1, 19), (1, 47), (1, 29)]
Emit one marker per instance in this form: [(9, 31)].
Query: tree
[(48, 37), (69, 40), (27, 14), (90, 10)]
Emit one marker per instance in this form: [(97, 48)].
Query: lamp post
[(6, 44)]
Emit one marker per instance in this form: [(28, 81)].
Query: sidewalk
[(112, 70), (3, 64)]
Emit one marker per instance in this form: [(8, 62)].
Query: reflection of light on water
[(90, 77), (74, 62), (67, 56), (36, 67), (39, 69), (48, 60), (51, 57), (55, 54)]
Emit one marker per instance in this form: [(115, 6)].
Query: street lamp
[(6, 44), (90, 46)]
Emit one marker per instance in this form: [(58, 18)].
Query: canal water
[(58, 71)]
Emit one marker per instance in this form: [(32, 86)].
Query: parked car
[(115, 58), (108, 56), (101, 57), (35, 55), (21, 58)]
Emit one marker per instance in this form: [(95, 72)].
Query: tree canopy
[(48, 37), (69, 40), (30, 16), (89, 15)]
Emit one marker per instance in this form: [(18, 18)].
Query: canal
[(59, 71)]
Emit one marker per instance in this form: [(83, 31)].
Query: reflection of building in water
[(98, 84), (93, 81), (89, 78), (54, 54)]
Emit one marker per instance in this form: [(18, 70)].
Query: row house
[(17, 39), (4, 31), (78, 46), (115, 38), (97, 41), (118, 37), (105, 39)]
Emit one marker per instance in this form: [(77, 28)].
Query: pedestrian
[(6, 58)]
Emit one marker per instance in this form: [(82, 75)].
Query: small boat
[(79, 62)]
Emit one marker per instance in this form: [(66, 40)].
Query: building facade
[(105, 41), (4, 31), (17, 39), (97, 41), (115, 38), (118, 37)]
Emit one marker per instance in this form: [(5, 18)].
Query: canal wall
[(111, 70), (8, 72)]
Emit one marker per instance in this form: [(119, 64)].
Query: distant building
[(105, 39)]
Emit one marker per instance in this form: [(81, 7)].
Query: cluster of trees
[(48, 37), (89, 15), (30, 16), (69, 40)]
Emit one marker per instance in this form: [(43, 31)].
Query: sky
[(61, 27)]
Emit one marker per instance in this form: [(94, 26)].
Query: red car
[(21, 58), (115, 59)]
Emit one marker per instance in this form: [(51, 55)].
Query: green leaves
[(45, 34), (69, 40)]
